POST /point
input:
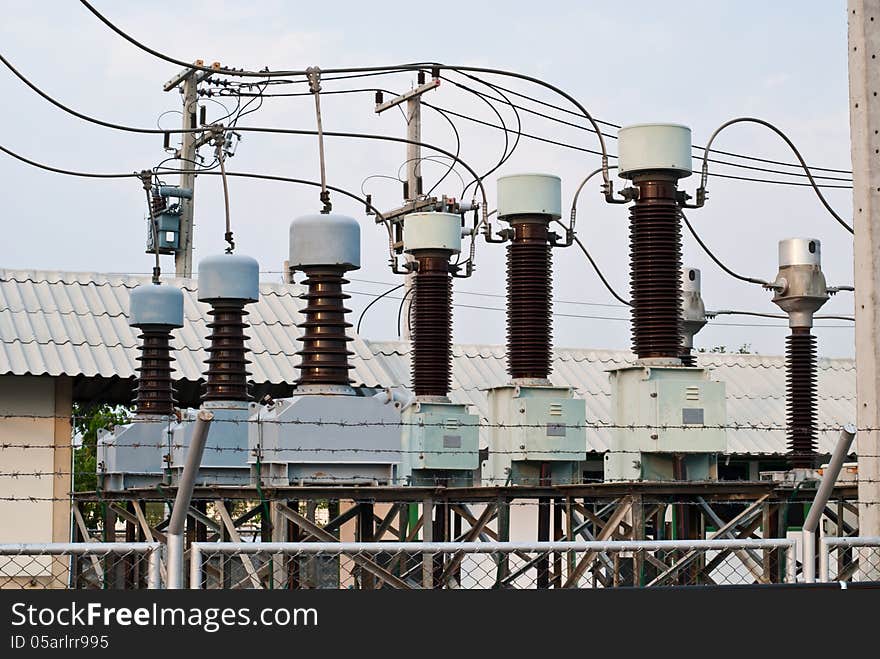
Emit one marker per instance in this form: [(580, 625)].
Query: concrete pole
[(183, 258), (174, 537), (864, 85), (413, 179)]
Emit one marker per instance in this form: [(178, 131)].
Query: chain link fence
[(488, 565), (87, 565), (849, 559)]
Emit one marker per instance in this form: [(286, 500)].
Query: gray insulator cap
[(530, 194), (800, 251), (325, 240), (229, 277), (155, 305)]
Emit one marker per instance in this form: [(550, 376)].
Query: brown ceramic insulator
[(226, 378), (688, 359), (157, 202), (154, 394), (432, 326), (655, 266), (529, 291), (801, 397), (324, 340)]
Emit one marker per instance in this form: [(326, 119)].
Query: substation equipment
[(799, 289), (328, 432), (164, 224), (439, 439), (537, 433), (135, 454), (669, 417), (693, 313), (226, 282)]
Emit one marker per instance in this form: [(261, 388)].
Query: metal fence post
[(154, 568), (823, 561), (195, 566)]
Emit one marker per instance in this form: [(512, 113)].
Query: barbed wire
[(528, 500), (589, 425)]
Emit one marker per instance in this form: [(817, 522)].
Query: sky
[(694, 63)]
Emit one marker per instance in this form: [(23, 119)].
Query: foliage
[(744, 349), (87, 421)]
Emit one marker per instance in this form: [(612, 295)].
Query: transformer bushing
[(671, 418), (536, 433), (439, 438), (693, 313), (134, 454), (800, 291), (328, 432), (227, 282)]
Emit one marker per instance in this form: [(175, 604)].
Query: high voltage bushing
[(227, 282), (529, 202), (431, 239), (654, 157), (800, 291), (693, 313), (324, 247), (155, 309)]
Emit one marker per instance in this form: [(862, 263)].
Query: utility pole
[(189, 79), (864, 84), (413, 189)]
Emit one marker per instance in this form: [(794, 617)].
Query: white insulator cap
[(229, 277), (433, 231), (800, 251), (653, 147), (155, 304), (690, 280), (530, 194), (325, 240)]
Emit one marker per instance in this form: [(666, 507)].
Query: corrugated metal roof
[(755, 388), (56, 323)]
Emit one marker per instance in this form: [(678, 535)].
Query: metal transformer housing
[(670, 424), (325, 240), (134, 454), (156, 305), (440, 444), (229, 277), (530, 194), (654, 147), (801, 288), (432, 232), (290, 441), (532, 425), (225, 459), (693, 311)]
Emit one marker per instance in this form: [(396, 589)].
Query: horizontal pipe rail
[(826, 544)]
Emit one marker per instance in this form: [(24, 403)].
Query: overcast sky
[(695, 63)]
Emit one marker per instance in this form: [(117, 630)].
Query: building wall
[(35, 430)]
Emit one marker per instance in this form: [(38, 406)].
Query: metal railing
[(483, 565), (855, 559), (81, 565)]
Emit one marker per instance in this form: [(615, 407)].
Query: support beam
[(324, 536)]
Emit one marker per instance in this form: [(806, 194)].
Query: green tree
[(87, 421)]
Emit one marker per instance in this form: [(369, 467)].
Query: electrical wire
[(700, 148), (376, 299), (400, 312), (608, 286), (761, 122), (750, 280), (759, 314), (254, 129)]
